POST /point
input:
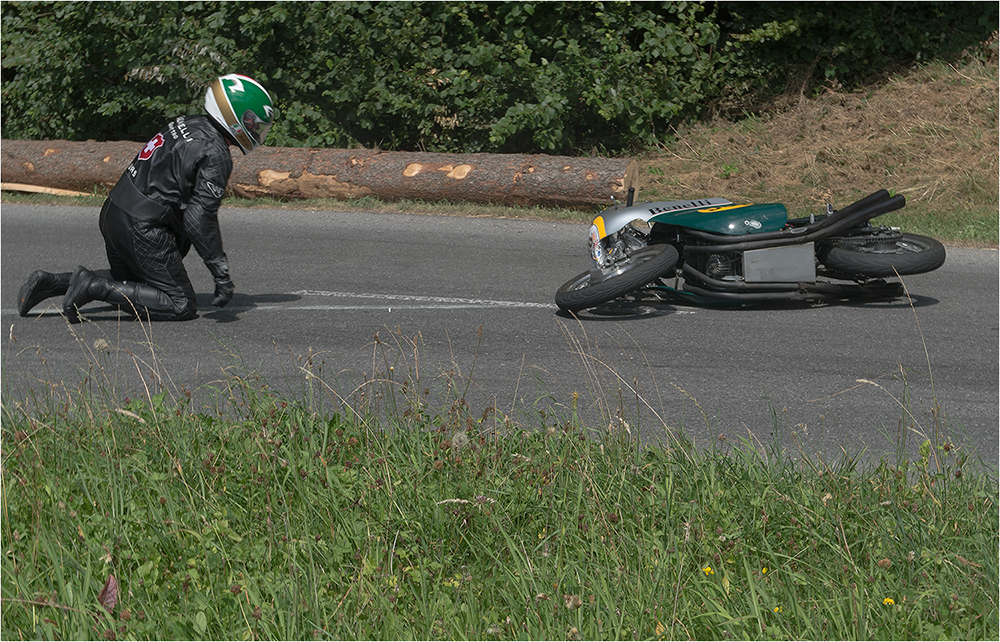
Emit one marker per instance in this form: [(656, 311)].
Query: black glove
[(224, 289)]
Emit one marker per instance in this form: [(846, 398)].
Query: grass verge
[(395, 512)]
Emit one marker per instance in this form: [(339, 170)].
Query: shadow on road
[(624, 309), (241, 303)]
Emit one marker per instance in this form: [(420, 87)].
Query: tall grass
[(395, 510)]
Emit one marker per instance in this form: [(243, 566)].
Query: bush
[(441, 76), (798, 46)]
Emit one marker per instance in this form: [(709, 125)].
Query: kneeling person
[(166, 202)]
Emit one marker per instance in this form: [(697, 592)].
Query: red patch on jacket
[(151, 147)]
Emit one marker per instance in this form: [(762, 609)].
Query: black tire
[(910, 254), (642, 267)]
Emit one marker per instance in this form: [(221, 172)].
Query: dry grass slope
[(930, 134)]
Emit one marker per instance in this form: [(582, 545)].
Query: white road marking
[(328, 308), (409, 302), (429, 301)]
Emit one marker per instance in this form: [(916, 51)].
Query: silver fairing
[(614, 219)]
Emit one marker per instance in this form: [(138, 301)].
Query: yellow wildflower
[(888, 601), (777, 609), (708, 570)]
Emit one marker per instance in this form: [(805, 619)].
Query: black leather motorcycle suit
[(166, 202)]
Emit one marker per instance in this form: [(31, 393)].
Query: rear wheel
[(881, 256), (595, 287)]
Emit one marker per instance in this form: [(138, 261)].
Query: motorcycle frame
[(701, 288)]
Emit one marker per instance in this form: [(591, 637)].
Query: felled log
[(39, 189), (78, 166), (301, 173)]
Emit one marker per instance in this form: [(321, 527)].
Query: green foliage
[(443, 76), (776, 44), (103, 70)]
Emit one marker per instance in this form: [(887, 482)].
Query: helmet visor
[(255, 127)]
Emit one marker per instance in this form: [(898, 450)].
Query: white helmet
[(243, 108)]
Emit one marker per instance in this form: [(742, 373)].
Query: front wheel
[(905, 254), (595, 287)]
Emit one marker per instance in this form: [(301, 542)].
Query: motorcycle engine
[(724, 266)]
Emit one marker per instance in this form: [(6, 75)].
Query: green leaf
[(200, 623)]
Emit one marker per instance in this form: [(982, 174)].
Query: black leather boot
[(78, 293), (137, 299), (40, 286)]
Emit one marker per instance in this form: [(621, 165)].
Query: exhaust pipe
[(840, 224), (863, 204)]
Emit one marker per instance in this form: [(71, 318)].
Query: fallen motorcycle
[(713, 251)]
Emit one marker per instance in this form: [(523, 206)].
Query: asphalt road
[(471, 300)]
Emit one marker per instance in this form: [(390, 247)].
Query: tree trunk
[(297, 173)]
